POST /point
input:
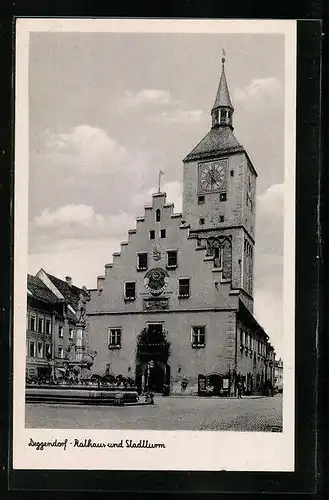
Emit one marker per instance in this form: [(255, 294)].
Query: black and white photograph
[(154, 253)]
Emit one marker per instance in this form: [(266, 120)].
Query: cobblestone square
[(168, 413)]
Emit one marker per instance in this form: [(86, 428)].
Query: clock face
[(212, 176)]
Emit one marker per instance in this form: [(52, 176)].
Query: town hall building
[(174, 309)]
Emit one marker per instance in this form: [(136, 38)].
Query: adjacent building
[(175, 306), (278, 375), (52, 339)]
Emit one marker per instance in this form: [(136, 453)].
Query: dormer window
[(158, 215)]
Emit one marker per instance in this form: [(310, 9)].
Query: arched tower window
[(158, 215), (217, 253), (223, 116), (227, 259)]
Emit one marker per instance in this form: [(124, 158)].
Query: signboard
[(155, 304), (225, 383)]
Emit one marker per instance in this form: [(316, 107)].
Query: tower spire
[(222, 109)]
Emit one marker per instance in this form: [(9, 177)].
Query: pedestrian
[(239, 385)]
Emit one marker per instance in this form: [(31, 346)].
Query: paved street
[(168, 413)]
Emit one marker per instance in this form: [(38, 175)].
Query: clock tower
[(219, 194)]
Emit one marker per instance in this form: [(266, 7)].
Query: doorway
[(152, 369)]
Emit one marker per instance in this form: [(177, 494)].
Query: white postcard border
[(185, 450)]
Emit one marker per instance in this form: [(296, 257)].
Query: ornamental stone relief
[(156, 280)]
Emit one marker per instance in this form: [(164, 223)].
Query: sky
[(107, 111)]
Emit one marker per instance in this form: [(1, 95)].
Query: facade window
[(198, 336), (48, 326), (114, 338), (71, 333), (201, 200), (142, 261), (163, 233), (60, 331), (32, 349), (221, 218), (40, 350), (31, 372), (247, 340), (130, 290), (232, 173), (40, 324), (184, 288), (60, 352), (222, 197), (201, 221), (48, 350), (172, 258), (157, 215), (33, 323), (152, 234)]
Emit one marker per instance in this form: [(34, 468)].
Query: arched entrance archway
[(153, 349)]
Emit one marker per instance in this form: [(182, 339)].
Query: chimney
[(68, 280)]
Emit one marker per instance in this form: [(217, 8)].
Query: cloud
[(83, 259), (81, 221), (172, 189), (69, 214), (271, 201), (88, 149), (146, 97), (269, 262), (268, 311), (180, 116), (259, 93)]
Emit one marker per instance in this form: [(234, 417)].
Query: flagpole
[(159, 185)]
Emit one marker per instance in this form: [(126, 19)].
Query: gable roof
[(71, 293), (40, 291), (219, 140)]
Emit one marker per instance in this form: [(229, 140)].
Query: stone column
[(79, 342)]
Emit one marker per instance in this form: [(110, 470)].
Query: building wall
[(238, 212), (252, 355), (218, 355), (33, 335), (278, 373), (213, 207), (53, 313), (212, 301), (65, 341)]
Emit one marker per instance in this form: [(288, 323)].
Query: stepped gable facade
[(176, 303)]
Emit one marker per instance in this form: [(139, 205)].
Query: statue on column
[(81, 312)]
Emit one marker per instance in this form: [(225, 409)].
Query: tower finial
[(222, 109)]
